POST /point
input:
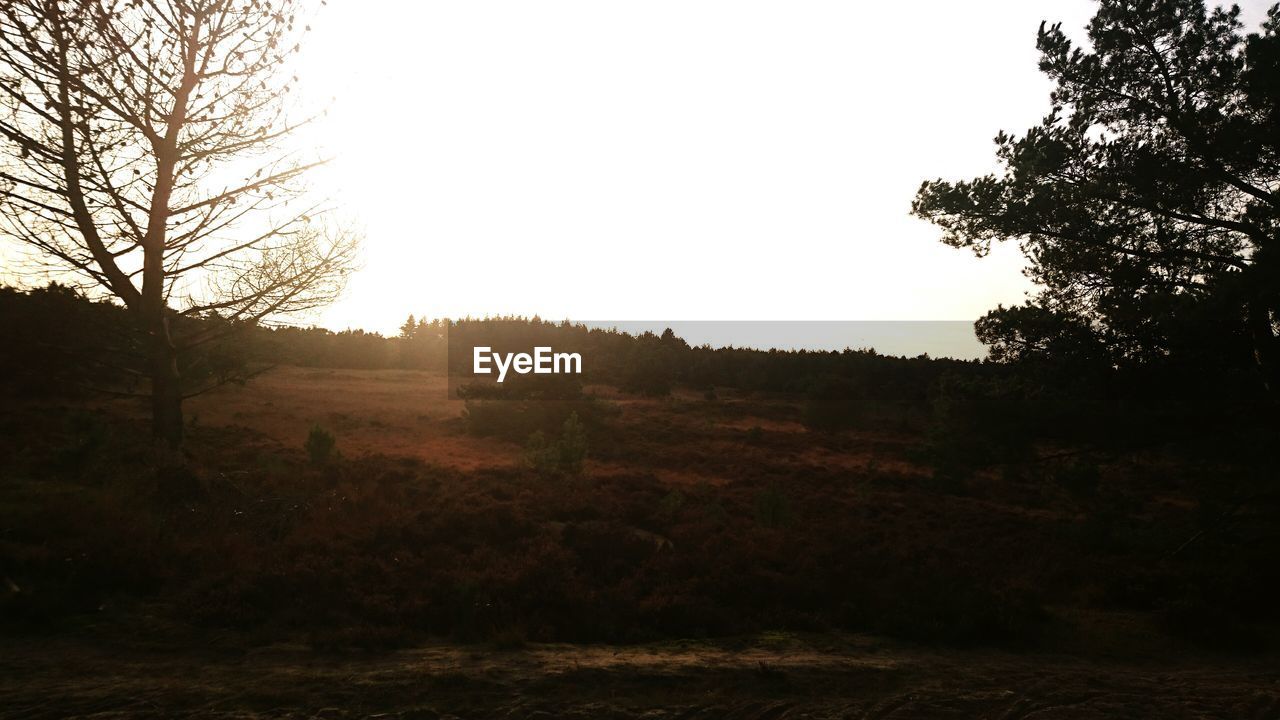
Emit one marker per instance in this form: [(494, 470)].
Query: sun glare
[(517, 158)]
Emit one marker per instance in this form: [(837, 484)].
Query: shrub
[(89, 436), (772, 508), (1079, 477), (564, 455), (981, 421), (671, 504), (573, 445), (541, 455), (320, 446), (833, 403), (515, 413)]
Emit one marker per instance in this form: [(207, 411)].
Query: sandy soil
[(765, 679)]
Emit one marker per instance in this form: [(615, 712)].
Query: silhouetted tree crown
[(1147, 201), (143, 156)]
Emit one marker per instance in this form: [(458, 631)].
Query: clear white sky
[(668, 159)]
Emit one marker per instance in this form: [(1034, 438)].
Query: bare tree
[(142, 148)]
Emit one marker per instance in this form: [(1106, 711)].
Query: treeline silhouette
[(58, 341), (59, 330)]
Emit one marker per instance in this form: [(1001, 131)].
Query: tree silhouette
[(144, 154), (1148, 200)]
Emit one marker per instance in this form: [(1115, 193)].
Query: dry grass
[(389, 412), (671, 533), (408, 413), (772, 676)]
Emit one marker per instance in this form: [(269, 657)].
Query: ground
[(766, 678), (735, 489)]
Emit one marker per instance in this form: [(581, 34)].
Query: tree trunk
[(166, 388)]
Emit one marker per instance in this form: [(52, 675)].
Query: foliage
[(1146, 199), (977, 422), (58, 342), (385, 550), (563, 455), (772, 509), (321, 445), (1061, 388), (119, 179)]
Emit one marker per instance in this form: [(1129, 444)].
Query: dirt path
[(790, 678)]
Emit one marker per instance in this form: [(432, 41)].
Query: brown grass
[(389, 412), (424, 532)]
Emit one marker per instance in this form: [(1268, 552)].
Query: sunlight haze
[(705, 160)]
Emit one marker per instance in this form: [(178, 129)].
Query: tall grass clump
[(321, 446)]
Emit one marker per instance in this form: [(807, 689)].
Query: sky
[(667, 160), (660, 160)]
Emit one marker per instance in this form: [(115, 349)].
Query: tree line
[(1146, 202), (59, 342)]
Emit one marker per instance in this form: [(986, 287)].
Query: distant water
[(908, 338)]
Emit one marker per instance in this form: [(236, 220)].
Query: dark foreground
[(434, 566), (767, 678)]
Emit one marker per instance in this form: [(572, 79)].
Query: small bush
[(90, 435), (514, 417), (320, 446), (1080, 478), (833, 404), (979, 422), (564, 456), (671, 504), (540, 454), (772, 508), (573, 445)]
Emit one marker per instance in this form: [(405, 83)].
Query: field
[(712, 557), (777, 677)]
